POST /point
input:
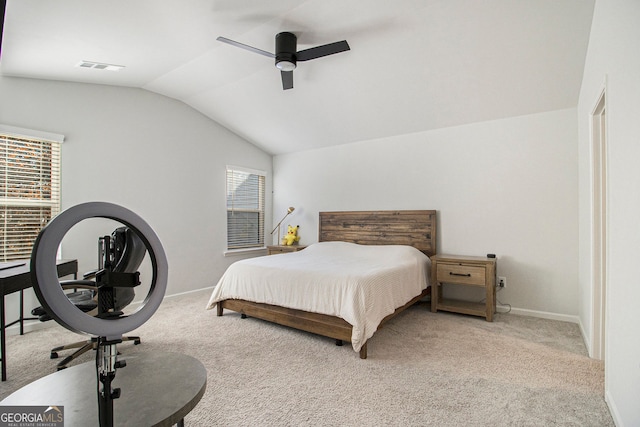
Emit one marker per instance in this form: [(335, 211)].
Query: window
[(29, 188), (245, 208)]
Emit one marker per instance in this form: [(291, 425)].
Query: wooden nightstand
[(465, 271), (281, 249)]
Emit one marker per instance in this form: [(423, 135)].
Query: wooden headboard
[(413, 228)]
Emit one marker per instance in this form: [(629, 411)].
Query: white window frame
[(50, 199), (247, 246)]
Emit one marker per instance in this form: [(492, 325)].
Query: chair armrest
[(90, 274), (78, 284)]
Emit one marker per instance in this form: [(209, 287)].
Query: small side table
[(465, 271), (281, 249), (157, 389)]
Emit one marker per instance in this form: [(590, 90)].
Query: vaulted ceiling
[(414, 65)]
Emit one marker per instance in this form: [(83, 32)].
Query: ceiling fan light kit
[(287, 56), (286, 65), (286, 45)]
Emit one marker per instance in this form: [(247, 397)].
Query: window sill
[(236, 252)]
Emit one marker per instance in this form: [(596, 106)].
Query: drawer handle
[(459, 274)]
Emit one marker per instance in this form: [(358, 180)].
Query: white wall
[(146, 152), (507, 187), (613, 55)]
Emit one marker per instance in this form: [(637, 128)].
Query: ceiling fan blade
[(246, 47), (324, 50), (287, 79), (3, 5)]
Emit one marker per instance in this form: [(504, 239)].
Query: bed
[(354, 248)]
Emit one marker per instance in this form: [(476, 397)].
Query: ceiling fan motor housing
[(286, 45)]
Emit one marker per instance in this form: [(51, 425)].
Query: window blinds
[(245, 208), (29, 192)]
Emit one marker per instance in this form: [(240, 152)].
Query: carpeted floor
[(423, 369)]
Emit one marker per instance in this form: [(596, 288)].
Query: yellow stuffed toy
[(292, 236)]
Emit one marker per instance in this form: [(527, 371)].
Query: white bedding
[(361, 284)]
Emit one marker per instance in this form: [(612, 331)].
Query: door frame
[(598, 130)]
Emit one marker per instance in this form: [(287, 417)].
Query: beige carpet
[(424, 369)]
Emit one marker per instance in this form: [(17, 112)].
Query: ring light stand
[(109, 330)]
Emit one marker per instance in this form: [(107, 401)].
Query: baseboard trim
[(546, 315), (208, 288), (613, 409), (585, 338), (29, 326), (35, 325)]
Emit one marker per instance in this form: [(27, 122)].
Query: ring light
[(44, 273)]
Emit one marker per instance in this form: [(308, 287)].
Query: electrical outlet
[(502, 282)]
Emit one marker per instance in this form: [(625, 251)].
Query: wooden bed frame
[(415, 228)]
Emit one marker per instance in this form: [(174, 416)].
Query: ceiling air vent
[(99, 66)]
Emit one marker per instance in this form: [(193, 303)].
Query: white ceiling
[(414, 65)]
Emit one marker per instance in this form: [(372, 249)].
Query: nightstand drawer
[(463, 274), (282, 249)]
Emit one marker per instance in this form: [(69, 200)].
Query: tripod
[(106, 358)]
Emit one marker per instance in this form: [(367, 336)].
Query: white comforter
[(361, 284)]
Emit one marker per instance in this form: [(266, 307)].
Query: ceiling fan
[(287, 56)]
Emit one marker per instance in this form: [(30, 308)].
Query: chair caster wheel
[(136, 342), (53, 355)]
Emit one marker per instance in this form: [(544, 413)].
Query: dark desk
[(157, 389), (18, 279)]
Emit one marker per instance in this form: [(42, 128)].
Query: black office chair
[(124, 252)]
